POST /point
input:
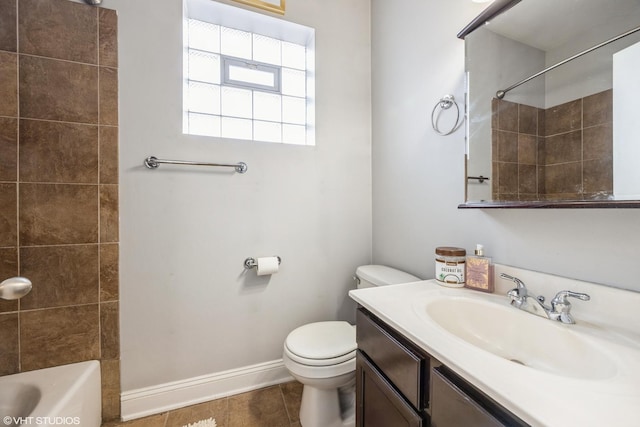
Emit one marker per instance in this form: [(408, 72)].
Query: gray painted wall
[(187, 306)]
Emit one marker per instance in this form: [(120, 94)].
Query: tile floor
[(275, 406)]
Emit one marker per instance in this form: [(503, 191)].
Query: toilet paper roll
[(268, 265)]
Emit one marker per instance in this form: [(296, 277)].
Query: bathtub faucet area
[(15, 288)]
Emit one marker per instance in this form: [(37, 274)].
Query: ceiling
[(528, 21)]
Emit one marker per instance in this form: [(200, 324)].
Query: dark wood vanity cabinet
[(400, 385), (379, 404), (457, 403)]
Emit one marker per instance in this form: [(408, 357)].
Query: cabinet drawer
[(400, 364), (379, 404), (456, 403)]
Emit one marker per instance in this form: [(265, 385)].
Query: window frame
[(225, 79)]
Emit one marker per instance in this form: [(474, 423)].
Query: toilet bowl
[(322, 356)]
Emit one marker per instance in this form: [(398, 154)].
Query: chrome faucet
[(560, 308)]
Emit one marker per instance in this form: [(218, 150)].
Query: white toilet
[(322, 356)]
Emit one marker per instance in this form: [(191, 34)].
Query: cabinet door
[(378, 403), (453, 405), (401, 365)]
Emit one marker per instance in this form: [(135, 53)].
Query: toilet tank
[(368, 276)]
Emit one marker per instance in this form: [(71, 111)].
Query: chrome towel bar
[(152, 162)]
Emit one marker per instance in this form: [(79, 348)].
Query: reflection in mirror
[(568, 134)]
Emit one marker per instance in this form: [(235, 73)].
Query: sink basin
[(520, 337)]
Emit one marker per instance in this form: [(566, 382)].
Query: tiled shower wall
[(563, 152), (59, 187)]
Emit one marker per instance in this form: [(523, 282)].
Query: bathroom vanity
[(435, 356), (399, 384)]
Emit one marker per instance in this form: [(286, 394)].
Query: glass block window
[(244, 85)]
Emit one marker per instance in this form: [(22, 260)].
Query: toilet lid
[(322, 340)]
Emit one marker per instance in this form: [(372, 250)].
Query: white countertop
[(537, 397)]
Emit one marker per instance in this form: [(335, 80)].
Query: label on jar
[(450, 272)]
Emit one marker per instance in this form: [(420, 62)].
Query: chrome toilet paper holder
[(250, 263)]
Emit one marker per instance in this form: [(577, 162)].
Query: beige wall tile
[(8, 268), (110, 372), (507, 116), (108, 96), (527, 149), (9, 361), (109, 272), (598, 142), (563, 118), (71, 335), (598, 108), (565, 178), (8, 83), (8, 149), (109, 213), (563, 148), (542, 128), (109, 331), (542, 187), (61, 275), (508, 181), (598, 176), (54, 29), (58, 152), (54, 214), (8, 219), (527, 119), (527, 180), (108, 37), (58, 90), (108, 155), (64, 155), (507, 146), (8, 40)]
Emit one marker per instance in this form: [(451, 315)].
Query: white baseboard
[(164, 397)]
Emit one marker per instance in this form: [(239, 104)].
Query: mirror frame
[(496, 8), (275, 6)]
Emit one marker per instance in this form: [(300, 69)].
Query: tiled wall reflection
[(567, 154), (516, 131), (59, 187)]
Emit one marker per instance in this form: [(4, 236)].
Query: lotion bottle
[(479, 271)]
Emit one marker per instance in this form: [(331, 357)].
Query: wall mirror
[(566, 131)]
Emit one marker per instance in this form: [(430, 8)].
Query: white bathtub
[(62, 395)]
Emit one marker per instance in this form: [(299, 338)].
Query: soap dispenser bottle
[(479, 271)]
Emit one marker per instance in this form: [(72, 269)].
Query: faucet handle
[(519, 283), (561, 297)]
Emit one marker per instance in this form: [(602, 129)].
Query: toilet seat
[(321, 372), (322, 343)]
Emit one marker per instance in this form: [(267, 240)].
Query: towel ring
[(445, 103)]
